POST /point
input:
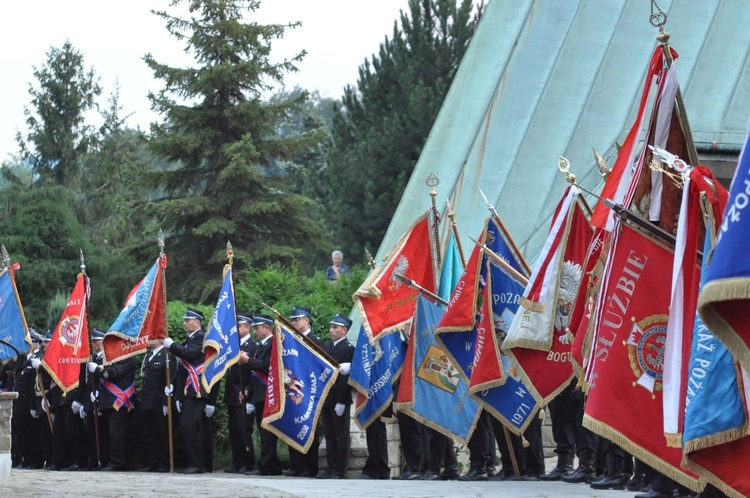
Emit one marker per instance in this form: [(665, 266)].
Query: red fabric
[(386, 304), (275, 381), (637, 292), (70, 341), (154, 326), (487, 362), (460, 313), (406, 385)]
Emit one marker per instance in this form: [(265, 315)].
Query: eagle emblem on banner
[(646, 344)]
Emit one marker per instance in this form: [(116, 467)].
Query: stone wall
[(6, 413)]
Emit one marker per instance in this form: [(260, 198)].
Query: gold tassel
[(525, 442)]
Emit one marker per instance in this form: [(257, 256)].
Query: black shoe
[(579, 476), (163, 470), (52, 467), (429, 476), (634, 483), (70, 468), (654, 494), (612, 482), (292, 472), (110, 468), (192, 470), (252, 472), (365, 476), (525, 477), (232, 470), (501, 476), (308, 473), (474, 475), (407, 475), (556, 474), (452, 475), (147, 469)]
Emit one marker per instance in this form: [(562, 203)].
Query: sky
[(113, 37)]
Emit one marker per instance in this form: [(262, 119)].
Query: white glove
[(92, 366), (179, 406), (344, 368), (34, 413), (168, 342), (249, 408), (339, 409), (35, 362), (93, 396), (76, 407), (44, 405), (209, 411), (165, 410), (82, 413), (168, 390)]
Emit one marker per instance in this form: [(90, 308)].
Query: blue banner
[(439, 396), (222, 341), (130, 320), (512, 403), (451, 270), (12, 321), (373, 372), (299, 379), (713, 381)]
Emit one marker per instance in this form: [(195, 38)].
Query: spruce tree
[(381, 126), (222, 137)]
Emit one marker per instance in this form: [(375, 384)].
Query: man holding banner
[(190, 401)]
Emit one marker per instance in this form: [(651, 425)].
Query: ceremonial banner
[(714, 436), (222, 341), (624, 401), (725, 298), (299, 379), (456, 333), (699, 185), (539, 340), (385, 303), (143, 318), (373, 372), (452, 269), (431, 389), (619, 186), (13, 329), (70, 340)]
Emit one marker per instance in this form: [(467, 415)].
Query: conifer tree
[(222, 136)]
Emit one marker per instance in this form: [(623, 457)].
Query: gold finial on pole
[(658, 18), (454, 227), (83, 263), (432, 182), (564, 166), (370, 261), (230, 253)]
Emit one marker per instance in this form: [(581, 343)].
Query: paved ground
[(43, 484)]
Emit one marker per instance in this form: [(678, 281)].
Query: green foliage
[(225, 140), (58, 136), (381, 126)]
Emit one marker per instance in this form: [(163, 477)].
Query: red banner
[(488, 370), (625, 395), (385, 303), (70, 341)]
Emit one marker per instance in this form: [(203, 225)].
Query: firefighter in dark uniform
[(255, 397), (154, 405), (25, 412), (190, 401), (116, 395), (337, 406), (304, 464), (91, 411), (239, 379)]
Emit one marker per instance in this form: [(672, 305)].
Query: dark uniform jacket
[(191, 351), (259, 363), (121, 374), (342, 352), (154, 379), (232, 387)]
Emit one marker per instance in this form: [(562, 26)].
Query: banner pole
[(91, 377), (162, 269)]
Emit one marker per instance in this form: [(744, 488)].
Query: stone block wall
[(6, 413)]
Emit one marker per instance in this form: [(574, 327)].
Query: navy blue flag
[(299, 379), (432, 391), (12, 321), (724, 299), (373, 372), (222, 341)]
